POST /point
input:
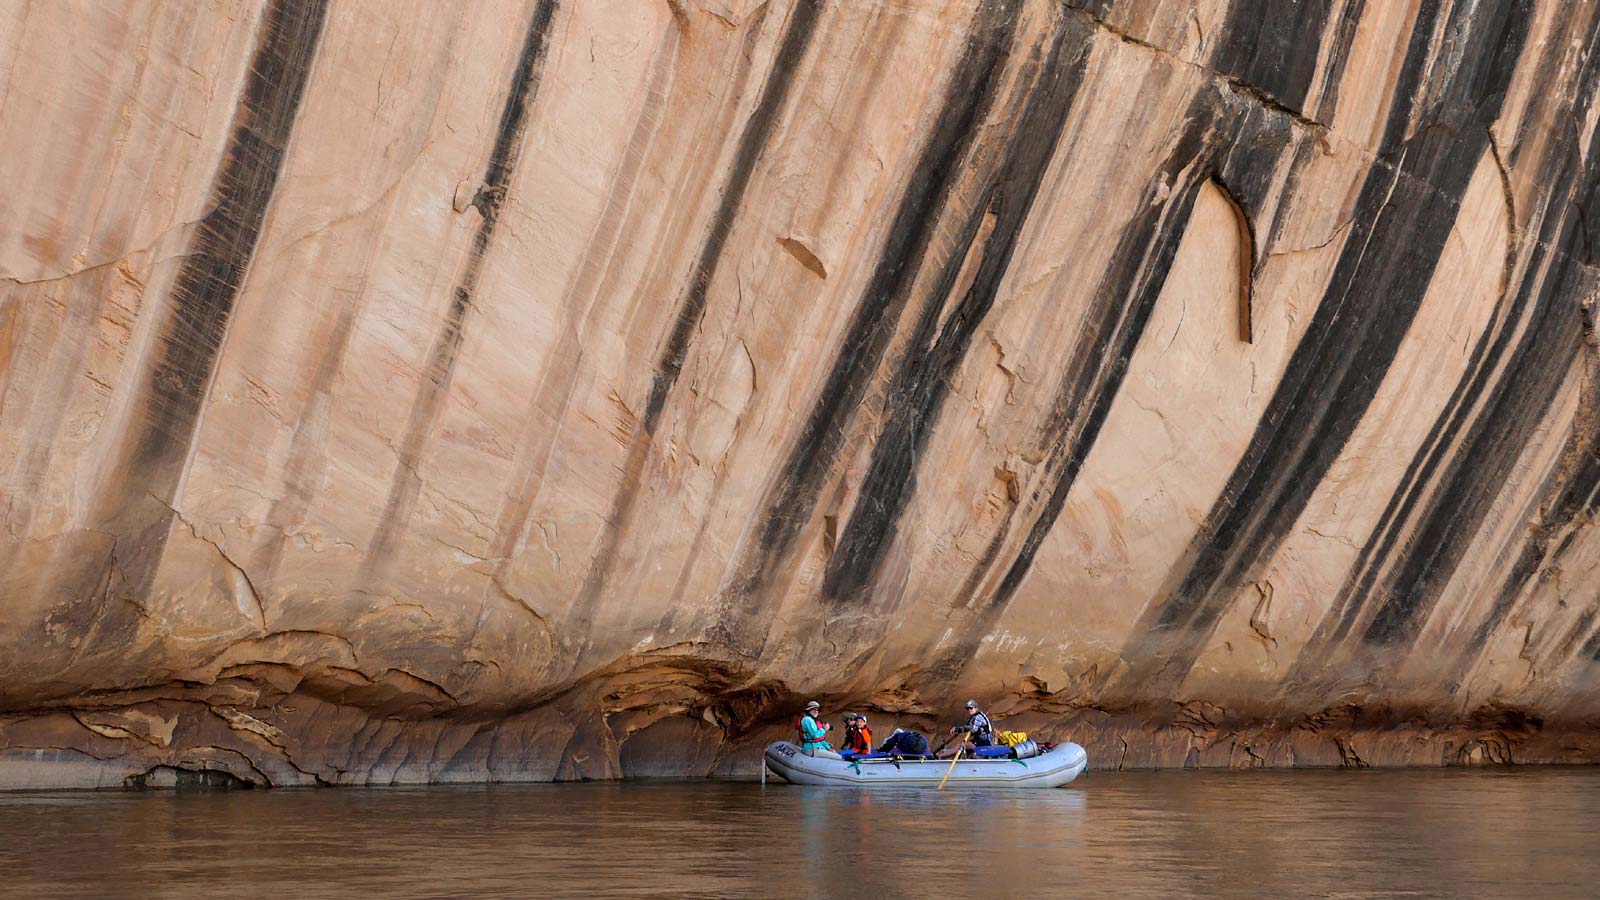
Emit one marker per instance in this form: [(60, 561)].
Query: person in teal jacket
[(813, 735)]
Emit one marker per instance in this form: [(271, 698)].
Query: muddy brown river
[(1518, 833)]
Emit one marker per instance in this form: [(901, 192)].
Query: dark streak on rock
[(1591, 647), (1114, 323), (559, 371), (152, 458), (1576, 493), (1337, 58), (939, 343), (1272, 48), (1237, 152), (789, 502), (1512, 379), (1479, 468), (1473, 477), (1405, 214), (1286, 64), (753, 141), (489, 200)]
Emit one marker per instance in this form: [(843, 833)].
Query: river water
[(1338, 834)]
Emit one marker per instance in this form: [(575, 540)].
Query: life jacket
[(858, 740), (800, 734), (981, 730)]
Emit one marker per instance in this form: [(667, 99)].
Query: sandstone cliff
[(527, 389)]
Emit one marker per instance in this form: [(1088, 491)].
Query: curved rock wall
[(405, 391)]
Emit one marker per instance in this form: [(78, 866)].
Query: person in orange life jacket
[(857, 736), (813, 735), (980, 732)]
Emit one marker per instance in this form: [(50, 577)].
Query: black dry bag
[(907, 743)]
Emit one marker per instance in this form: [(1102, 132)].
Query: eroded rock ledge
[(667, 716), (535, 389)]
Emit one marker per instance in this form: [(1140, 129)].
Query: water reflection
[(1446, 834)]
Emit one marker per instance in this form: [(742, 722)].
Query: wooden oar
[(953, 760)]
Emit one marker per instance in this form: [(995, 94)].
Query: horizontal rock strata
[(544, 389)]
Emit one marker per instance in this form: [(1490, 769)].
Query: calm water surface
[(1337, 834)]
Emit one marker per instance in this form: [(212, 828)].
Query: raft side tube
[(1055, 768)]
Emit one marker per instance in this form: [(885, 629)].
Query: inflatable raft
[(1060, 765)]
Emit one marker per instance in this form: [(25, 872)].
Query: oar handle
[(953, 760), (950, 737)]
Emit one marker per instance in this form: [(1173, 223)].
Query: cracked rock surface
[(545, 389)]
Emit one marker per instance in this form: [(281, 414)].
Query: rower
[(979, 731)]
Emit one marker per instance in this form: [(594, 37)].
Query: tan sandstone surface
[(548, 389)]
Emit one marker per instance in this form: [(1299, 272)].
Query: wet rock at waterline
[(542, 389)]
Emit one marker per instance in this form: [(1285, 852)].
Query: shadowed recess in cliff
[(148, 465), (489, 199), (739, 616), (1245, 227), (940, 340), (1514, 375), (1405, 213), (691, 309)]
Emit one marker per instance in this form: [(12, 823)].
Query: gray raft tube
[(1055, 768)]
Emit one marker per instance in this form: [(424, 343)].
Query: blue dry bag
[(906, 743)]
